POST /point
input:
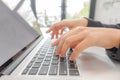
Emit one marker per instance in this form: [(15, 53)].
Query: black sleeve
[(92, 23)]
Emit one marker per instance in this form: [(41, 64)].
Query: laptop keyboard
[(45, 62)]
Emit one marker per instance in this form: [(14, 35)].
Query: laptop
[(23, 45)]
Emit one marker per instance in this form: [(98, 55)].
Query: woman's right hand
[(70, 24)]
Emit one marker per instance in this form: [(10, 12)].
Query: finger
[(62, 31), (74, 31), (71, 42), (55, 43), (52, 28), (52, 36), (65, 47), (60, 44), (65, 36), (56, 33), (62, 39), (79, 48)]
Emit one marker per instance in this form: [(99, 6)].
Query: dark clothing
[(93, 23), (114, 53)]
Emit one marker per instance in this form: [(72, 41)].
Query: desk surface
[(94, 64)]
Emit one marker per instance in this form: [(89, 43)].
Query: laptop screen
[(14, 33)]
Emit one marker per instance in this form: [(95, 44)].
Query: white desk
[(96, 65)]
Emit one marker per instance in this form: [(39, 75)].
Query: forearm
[(114, 52), (83, 22)]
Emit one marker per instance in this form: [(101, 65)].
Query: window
[(48, 11), (77, 9)]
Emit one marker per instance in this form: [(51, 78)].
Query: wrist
[(84, 22)]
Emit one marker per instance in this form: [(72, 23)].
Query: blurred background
[(50, 11)]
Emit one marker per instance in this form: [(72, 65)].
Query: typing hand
[(70, 24), (81, 38)]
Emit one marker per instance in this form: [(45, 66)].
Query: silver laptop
[(25, 52)]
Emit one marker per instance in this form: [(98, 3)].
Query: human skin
[(81, 37), (70, 24)]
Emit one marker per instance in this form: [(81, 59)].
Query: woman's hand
[(70, 24), (81, 38)]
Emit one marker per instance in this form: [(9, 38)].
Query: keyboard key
[(43, 70), (49, 55), (25, 71), (48, 58), (37, 65), (46, 63), (74, 72), (44, 49), (53, 70), (55, 57), (33, 71), (38, 52), (39, 60), (69, 52), (41, 56), (72, 66), (50, 50), (54, 62), (71, 62), (33, 59), (36, 56), (42, 53), (29, 65), (63, 68), (62, 59)]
